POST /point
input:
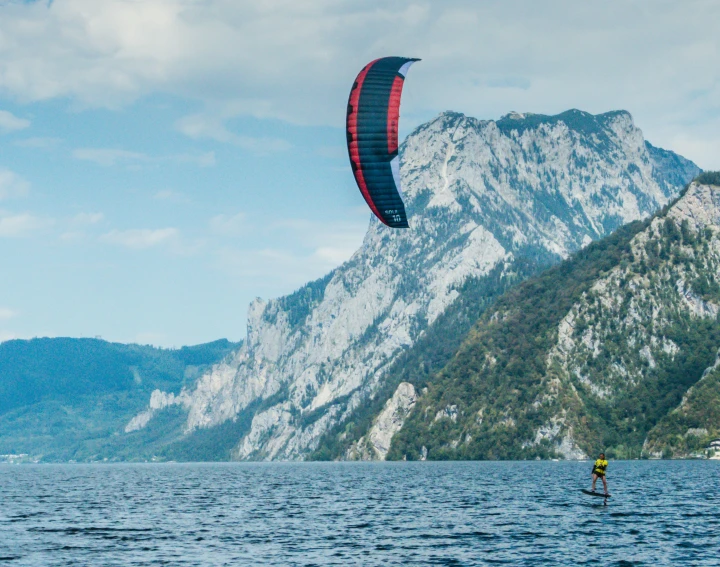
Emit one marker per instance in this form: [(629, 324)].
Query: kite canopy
[(373, 114)]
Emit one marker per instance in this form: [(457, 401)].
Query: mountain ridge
[(479, 199), (489, 207)]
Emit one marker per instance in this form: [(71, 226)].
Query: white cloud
[(87, 218), (295, 59), (277, 270), (10, 123), (38, 142), (6, 313), (229, 225), (307, 250), (268, 264), (263, 145), (108, 157), (165, 195), (206, 159), (199, 126), (334, 255), (73, 236), (140, 238), (21, 225), (12, 185), (172, 196), (337, 243), (286, 54)]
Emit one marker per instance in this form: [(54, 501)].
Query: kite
[(373, 114)]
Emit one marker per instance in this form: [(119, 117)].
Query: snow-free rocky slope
[(481, 197), (613, 350)]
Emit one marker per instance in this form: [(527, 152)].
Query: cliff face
[(375, 445), (480, 195), (615, 350)]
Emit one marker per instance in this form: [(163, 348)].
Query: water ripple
[(325, 514)]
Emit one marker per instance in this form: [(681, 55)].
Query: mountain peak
[(576, 120), (598, 128), (531, 162), (512, 115), (485, 200)]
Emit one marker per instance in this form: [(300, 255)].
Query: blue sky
[(163, 162)]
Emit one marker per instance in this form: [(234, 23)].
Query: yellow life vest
[(600, 466)]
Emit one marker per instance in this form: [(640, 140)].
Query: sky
[(164, 162)]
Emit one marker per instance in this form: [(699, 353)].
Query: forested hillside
[(614, 349), (64, 398)]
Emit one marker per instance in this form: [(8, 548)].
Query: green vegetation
[(209, 444), (594, 127), (509, 393), (432, 351), (500, 371), (691, 426), (63, 399), (300, 303), (709, 178), (489, 391)]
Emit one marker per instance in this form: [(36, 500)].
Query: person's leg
[(595, 477), (604, 484)]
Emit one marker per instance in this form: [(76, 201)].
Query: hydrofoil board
[(591, 493)]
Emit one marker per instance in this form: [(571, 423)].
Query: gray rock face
[(478, 194), (376, 444)]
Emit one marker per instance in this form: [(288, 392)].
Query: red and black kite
[(373, 114)]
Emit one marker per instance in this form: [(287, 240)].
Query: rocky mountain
[(489, 202), (616, 350), (69, 399)]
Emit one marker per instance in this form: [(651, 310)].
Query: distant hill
[(64, 398)]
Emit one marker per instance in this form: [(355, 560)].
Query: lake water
[(479, 513)]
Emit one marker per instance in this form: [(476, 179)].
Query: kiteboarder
[(598, 471)]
